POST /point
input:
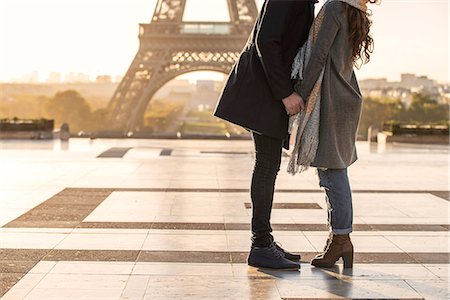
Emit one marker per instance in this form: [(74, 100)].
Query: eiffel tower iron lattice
[(170, 47)]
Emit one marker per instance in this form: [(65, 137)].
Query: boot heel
[(348, 260)]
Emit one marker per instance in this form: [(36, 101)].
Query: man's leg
[(267, 164), (264, 252)]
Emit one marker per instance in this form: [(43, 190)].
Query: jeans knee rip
[(329, 210)]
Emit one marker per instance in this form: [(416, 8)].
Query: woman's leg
[(267, 164), (340, 219), (339, 200)]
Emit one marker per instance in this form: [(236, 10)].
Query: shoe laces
[(278, 246), (275, 251)]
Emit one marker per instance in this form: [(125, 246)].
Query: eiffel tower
[(170, 47)]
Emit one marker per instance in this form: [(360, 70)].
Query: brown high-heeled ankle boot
[(340, 246), (329, 239)]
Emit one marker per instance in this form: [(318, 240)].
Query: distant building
[(206, 94), (103, 79), (175, 88), (404, 89), (34, 77), (373, 84), (418, 82), (54, 77), (76, 78)]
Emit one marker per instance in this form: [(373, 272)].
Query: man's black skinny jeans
[(267, 164)]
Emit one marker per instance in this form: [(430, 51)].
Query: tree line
[(64, 107), (423, 109), (71, 107)]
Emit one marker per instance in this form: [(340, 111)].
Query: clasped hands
[(293, 104)]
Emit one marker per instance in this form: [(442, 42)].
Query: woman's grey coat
[(341, 99)]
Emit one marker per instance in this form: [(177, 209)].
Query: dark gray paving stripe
[(115, 152), (205, 256), (409, 227), (181, 256), (92, 255), (342, 298), (241, 257), (8, 280), (15, 264), (280, 205), (166, 152), (228, 257), (66, 209), (226, 152), (444, 195), (22, 254), (428, 258), (246, 226)]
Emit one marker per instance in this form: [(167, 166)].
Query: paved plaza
[(169, 219)]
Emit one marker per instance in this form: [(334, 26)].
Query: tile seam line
[(424, 265), (35, 285), (244, 190), (415, 290)]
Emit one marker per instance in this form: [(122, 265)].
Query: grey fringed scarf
[(307, 121)]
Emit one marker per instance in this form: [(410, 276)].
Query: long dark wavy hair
[(359, 24)]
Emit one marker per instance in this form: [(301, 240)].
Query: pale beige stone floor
[(33, 171)]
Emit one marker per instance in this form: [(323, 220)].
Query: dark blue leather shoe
[(270, 257), (287, 255)]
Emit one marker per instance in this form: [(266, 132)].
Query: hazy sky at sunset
[(100, 36)]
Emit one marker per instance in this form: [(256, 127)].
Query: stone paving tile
[(99, 241), (31, 240), (401, 223), (43, 267), (136, 287), (82, 281), (184, 269), (92, 267), (348, 289), (74, 293), (359, 272), (431, 289), (421, 243), (23, 286), (187, 242), (204, 287), (336, 281), (440, 270)]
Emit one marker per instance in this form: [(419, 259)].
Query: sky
[(100, 36)]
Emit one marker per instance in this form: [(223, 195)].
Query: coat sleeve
[(276, 16), (319, 55)]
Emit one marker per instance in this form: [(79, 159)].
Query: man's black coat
[(252, 97)]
